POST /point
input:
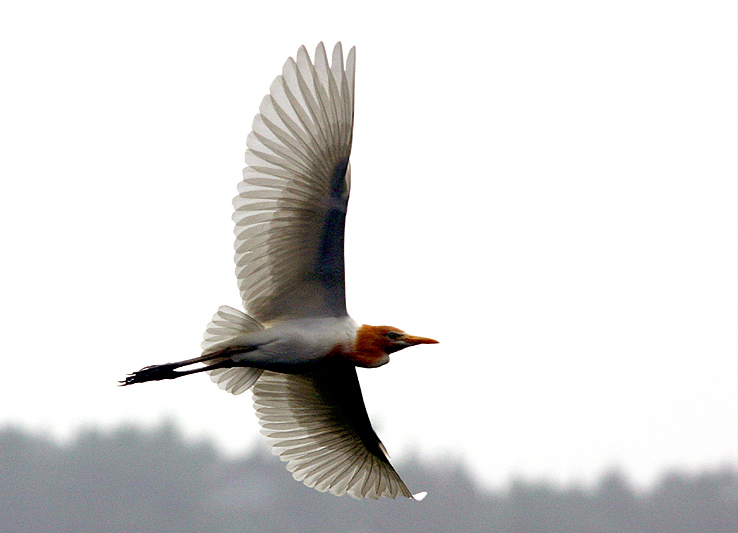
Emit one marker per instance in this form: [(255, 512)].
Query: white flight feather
[(319, 439), (301, 134)]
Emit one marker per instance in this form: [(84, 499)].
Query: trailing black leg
[(222, 357), (169, 370)]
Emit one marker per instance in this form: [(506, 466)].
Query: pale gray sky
[(548, 188)]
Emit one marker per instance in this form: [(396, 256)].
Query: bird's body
[(297, 349), (290, 345)]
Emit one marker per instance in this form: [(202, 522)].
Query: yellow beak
[(413, 340)]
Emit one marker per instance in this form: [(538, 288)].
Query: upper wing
[(291, 206), (318, 425)]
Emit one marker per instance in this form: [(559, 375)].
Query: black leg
[(169, 370)]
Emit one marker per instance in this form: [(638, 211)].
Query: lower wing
[(318, 425)]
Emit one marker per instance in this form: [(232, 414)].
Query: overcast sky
[(548, 188)]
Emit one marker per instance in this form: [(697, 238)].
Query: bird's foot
[(152, 373)]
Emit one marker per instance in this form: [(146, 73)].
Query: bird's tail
[(227, 324)]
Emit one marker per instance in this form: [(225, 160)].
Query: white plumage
[(292, 186), (297, 348)]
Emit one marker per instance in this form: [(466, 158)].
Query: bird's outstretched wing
[(291, 207), (317, 424)]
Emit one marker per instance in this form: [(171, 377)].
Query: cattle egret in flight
[(297, 349)]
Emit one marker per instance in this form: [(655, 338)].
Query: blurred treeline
[(135, 480)]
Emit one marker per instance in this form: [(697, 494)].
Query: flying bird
[(297, 349)]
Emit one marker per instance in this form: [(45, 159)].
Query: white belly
[(290, 344)]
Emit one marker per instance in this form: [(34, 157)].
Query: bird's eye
[(393, 335)]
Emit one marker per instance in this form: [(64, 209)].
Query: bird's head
[(393, 340), (375, 343)]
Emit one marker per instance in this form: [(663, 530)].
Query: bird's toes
[(151, 373)]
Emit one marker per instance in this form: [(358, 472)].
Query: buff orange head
[(375, 343)]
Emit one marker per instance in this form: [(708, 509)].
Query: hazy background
[(154, 481), (548, 188)]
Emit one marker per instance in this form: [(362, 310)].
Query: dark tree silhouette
[(154, 480)]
